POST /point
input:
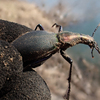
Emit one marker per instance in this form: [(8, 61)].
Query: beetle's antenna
[(95, 29), (96, 46)]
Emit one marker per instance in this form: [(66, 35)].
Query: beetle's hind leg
[(70, 71), (39, 26)]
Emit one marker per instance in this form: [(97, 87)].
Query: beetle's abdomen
[(35, 44)]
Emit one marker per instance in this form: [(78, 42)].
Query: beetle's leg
[(59, 26), (70, 71), (40, 27)]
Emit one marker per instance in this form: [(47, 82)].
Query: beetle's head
[(69, 39), (93, 45)]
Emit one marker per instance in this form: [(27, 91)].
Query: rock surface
[(9, 31), (10, 61), (26, 86)]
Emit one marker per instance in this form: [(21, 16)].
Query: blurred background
[(81, 16)]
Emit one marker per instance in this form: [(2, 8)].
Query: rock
[(10, 61), (26, 86), (9, 31)]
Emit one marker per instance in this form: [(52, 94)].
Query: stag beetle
[(38, 46)]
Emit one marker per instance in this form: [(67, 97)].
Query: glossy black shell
[(36, 45)]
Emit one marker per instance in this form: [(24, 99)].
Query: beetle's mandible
[(38, 46)]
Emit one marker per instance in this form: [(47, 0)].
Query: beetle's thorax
[(69, 39)]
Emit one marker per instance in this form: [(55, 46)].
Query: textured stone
[(26, 86), (9, 31), (10, 61)]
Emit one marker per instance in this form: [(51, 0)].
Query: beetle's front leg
[(70, 71), (39, 26)]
